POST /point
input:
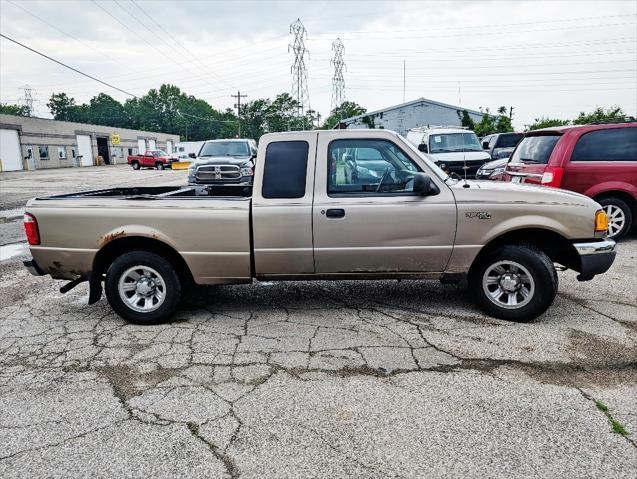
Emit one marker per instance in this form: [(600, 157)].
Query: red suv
[(599, 161)]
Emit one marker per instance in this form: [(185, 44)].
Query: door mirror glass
[(423, 147), (424, 186)]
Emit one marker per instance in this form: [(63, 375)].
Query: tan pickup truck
[(343, 204)]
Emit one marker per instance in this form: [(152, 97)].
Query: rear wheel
[(620, 216), (143, 287), (159, 165), (135, 165), (514, 283)]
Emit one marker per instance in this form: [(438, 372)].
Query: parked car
[(224, 161), (455, 150), (501, 145), (599, 161), (307, 220), (151, 159), (492, 170)]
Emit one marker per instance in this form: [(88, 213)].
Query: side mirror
[(192, 155), (485, 145), (424, 186), (423, 147)]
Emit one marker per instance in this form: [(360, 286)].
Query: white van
[(455, 150)]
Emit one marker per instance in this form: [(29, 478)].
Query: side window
[(44, 152), (492, 141), (618, 144), (368, 166), (285, 169)]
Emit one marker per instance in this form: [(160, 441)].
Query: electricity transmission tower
[(27, 99), (338, 82), (299, 71)]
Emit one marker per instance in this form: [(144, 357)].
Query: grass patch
[(616, 426)]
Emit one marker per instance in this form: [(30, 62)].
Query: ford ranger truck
[(328, 205), (158, 159)]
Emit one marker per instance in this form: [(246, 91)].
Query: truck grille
[(458, 167), (218, 173)]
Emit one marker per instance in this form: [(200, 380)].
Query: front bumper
[(596, 257)]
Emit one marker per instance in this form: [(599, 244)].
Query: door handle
[(335, 213)]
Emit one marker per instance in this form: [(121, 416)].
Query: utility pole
[(237, 105), (299, 71), (338, 82)]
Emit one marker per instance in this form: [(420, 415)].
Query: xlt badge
[(482, 215)]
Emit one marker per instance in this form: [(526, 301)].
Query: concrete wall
[(36, 132), (403, 118)]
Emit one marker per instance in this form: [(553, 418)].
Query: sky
[(551, 59)]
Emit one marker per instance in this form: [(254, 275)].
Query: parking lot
[(342, 379)]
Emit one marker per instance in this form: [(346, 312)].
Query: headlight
[(247, 170), (498, 171)]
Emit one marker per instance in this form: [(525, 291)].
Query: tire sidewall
[(539, 266), (628, 214), (160, 166), (158, 263), (135, 165)]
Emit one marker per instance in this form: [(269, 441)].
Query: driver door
[(366, 217)]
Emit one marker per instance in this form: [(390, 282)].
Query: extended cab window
[(285, 169), (369, 166), (618, 144)]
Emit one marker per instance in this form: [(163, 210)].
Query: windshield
[(432, 166), (225, 148), (535, 149), (448, 142), (509, 141)]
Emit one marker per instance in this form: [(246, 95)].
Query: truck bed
[(208, 227)]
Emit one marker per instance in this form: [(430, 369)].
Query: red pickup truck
[(151, 159), (599, 161)]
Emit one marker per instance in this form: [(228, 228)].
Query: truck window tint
[(285, 169), (619, 144), (509, 140), (368, 166), (535, 149)]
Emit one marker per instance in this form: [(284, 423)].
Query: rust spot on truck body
[(111, 236)]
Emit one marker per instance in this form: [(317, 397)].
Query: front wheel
[(143, 287), (135, 165), (159, 166), (514, 283)]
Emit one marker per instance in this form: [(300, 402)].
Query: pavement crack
[(221, 455)]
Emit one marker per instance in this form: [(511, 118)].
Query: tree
[(465, 120), (62, 107), (494, 124), (545, 122), (105, 110), (20, 110), (600, 115), (347, 109)]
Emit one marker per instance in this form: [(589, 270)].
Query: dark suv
[(501, 145)]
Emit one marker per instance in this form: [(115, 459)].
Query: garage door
[(152, 145), (141, 146), (85, 149), (10, 150)]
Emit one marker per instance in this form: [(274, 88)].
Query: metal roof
[(409, 103)]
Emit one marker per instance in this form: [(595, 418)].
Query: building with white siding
[(401, 118)]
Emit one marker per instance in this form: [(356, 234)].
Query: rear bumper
[(596, 257), (33, 267)]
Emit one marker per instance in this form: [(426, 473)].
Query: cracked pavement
[(319, 379)]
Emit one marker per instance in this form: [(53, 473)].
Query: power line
[(67, 66)]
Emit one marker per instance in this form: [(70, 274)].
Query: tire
[(159, 166), (620, 216), (521, 272), (156, 300), (135, 165)]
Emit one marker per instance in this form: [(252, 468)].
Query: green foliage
[(547, 123), (63, 107), (466, 120), (500, 123), (20, 110), (600, 115), (281, 114), (347, 109)]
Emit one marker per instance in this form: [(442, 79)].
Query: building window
[(62, 152), (130, 152), (44, 152), (73, 154)]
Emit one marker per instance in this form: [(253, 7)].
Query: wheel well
[(622, 195), (118, 247), (556, 247)]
